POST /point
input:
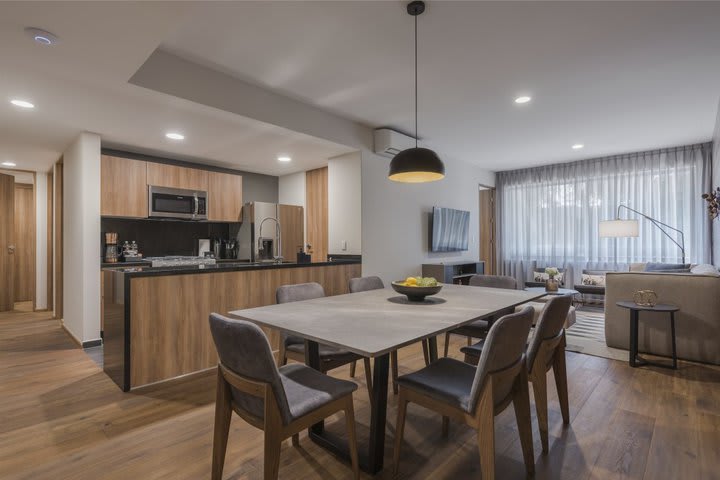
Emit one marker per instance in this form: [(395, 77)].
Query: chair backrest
[(549, 325), (493, 281), (298, 292), (244, 349), (504, 347), (363, 284)]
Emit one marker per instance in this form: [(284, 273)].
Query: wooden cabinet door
[(163, 175), (123, 187), (316, 202), (225, 198), (7, 242), (292, 223)]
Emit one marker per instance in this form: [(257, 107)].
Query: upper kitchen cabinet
[(164, 175), (225, 198), (123, 187)]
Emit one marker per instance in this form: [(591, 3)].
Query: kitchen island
[(156, 319)]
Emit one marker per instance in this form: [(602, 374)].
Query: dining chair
[(546, 351), (476, 394), (280, 401), (479, 328), (294, 347), (364, 284)]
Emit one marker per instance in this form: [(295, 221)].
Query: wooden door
[(163, 175), (225, 198), (24, 242), (487, 230), (293, 230), (316, 201), (7, 242), (123, 187)]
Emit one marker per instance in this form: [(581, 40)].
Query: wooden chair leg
[(399, 430), (486, 439), (394, 371), (368, 376), (352, 437), (426, 352), (282, 354), (539, 383), (521, 403), (271, 466), (223, 414), (560, 372), (353, 365), (296, 440), (469, 341), (445, 426), (447, 344)]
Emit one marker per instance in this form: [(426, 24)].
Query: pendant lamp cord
[(416, 85)]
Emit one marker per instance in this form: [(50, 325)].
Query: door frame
[(491, 267)]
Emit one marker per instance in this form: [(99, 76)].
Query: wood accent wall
[(225, 198), (169, 330), (163, 175), (291, 218), (24, 242), (316, 202), (7, 234), (123, 187)]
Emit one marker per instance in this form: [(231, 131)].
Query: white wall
[(81, 237), (41, 272), (345, 204), (395, 216)]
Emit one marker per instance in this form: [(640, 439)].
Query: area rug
[(588, 335)]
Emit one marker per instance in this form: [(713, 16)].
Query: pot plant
[(713, 199), (552, 285)]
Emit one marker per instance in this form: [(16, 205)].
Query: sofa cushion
[(705, 269), (595, 280), (668, 267)]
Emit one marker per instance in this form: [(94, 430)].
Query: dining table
[(373, 324)]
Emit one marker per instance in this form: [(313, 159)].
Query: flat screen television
[(450, 229)]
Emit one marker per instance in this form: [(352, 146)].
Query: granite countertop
[(148, 271)]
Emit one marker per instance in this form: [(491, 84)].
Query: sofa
[(697, 323)]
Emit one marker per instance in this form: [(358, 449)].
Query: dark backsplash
[(158, 238)]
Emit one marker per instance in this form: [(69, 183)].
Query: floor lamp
[(629, 228)]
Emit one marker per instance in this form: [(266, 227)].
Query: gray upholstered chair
[(294, 347), (479, 328), (546, 351), (476, 394), (281, 402), (364, 284)]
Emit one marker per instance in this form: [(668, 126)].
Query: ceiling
[(617, 77), (81, 84)]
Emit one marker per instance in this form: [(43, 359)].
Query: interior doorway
[(487, 229)]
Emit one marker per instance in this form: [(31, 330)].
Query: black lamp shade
[(416, 165)]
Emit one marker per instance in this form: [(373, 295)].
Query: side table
[(635, 309)]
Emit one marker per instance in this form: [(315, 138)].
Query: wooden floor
[(62, 418)]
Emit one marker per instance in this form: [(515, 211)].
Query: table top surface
[(376, 322), (660, 307), (559, 291)]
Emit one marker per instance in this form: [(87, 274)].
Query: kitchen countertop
[(130, 270)]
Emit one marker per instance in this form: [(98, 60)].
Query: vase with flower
[(552, 285)]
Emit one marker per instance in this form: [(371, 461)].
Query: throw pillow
[(705, 269), (593, 280)]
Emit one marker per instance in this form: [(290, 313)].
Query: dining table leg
[(432, 349), (372, 458)]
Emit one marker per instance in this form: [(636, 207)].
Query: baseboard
[(92, 343), (88, 344)]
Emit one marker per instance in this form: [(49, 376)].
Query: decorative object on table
[(630, 228), (713, 199), (552, 285), (302, 257), (417, 288), (130, 252), (416, 165), (635, 359), (540, 277), (645, 298), (111, 251)]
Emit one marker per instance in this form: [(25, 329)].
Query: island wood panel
[(163, 175), (225, 198), (293, 231), (7, 238), (24, 242), (169, 331), (316, 200), (123, 187)]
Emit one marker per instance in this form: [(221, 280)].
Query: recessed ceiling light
[(43, 37), (284, 158), (578, 146), (523, 99), (8, 164), (175, 136), (21, 103)]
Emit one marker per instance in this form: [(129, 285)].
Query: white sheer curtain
[(549, 216)]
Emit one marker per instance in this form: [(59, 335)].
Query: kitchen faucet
[(278, 234)]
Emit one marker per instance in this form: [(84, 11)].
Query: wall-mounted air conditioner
[(389, 143)]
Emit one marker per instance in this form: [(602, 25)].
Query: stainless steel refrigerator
[(269, 231)]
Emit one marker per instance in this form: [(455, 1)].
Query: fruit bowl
[(413, 293)]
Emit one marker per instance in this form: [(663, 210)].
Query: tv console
[(458, 273)]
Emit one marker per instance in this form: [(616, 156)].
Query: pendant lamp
[(416, 165)]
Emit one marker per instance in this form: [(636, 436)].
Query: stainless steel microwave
[(164, 202)]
